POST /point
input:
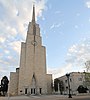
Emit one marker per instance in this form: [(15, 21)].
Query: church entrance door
[(33, 91)]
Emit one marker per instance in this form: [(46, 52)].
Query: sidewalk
[(44, 97)]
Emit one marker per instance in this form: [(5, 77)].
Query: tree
[(4, 85), (61, 85), (87, 65), (86, 82), (82, 89)]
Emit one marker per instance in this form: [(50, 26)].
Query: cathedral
[(31, 77)]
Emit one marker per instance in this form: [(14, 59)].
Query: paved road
[(46, 97)]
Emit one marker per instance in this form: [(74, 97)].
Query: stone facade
[(14, 77), (76, 79), (31, 77)]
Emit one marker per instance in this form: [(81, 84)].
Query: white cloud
[(79, 53), (60, 71), (56, 25), (2, 69), (58, 12), (2, 39), (88, 4), (52, 26), (16, 45), (10, 30), (7, 51)]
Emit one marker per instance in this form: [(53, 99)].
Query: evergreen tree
[(4, 85)]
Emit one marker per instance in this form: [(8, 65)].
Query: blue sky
[(65, 31)]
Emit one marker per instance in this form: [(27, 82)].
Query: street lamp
[(68, 75)]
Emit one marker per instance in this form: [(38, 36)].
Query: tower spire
[(33, 21), (33, 15)]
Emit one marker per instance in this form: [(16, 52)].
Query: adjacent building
[(76, 79), (31, 77)]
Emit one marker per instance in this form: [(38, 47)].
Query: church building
[(31, 77)]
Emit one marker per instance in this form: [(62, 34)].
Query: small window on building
[(66, 87), (65, 81), (20, 90)]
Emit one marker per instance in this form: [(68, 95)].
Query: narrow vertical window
[(31, 90), (40, 89), (25, 90), (34, 91)]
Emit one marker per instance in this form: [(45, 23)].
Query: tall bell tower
[(32, 76)]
